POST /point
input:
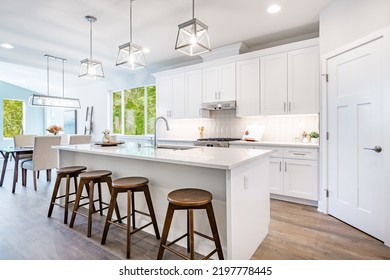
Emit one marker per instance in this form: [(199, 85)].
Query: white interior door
[(355, 120)]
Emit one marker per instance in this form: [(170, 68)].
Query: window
[(134, 111), (12, 117)]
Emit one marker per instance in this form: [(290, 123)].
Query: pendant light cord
[(193, 8), (131, 21), (63, 79), (47, 67), (90, 39), (48, 73)]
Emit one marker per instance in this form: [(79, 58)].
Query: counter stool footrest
[(209, 255), (175, 252), (203, 235)]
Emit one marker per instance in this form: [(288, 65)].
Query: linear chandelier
[(54, 101), (193, 37), (91, 68), (130, 55)]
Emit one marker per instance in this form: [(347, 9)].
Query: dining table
[(16, 153)]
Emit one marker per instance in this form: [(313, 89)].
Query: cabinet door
[(227, 82), (273, 84), (178, 97), (194, 95), (164, 96), (300, 178), (248, 88), (276, 174), (210, 84), (303, 81)]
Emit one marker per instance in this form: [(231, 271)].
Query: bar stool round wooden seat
[(89, 179), (130, 185), (67, 172), (190, 199)]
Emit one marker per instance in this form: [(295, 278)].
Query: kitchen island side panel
[(248, 208)]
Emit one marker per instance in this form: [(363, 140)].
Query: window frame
[(111, 103), (23, 117)]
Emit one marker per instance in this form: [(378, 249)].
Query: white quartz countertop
[(218, 158), (275, 144)]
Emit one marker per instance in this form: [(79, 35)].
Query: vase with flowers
[(55, 129)]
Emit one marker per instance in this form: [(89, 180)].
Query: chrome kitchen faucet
[(155, 129)]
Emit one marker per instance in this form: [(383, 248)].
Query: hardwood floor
[(296, 232)]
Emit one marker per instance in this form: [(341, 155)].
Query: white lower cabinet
[(293, 171)]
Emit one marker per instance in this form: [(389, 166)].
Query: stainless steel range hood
[(222, 105)]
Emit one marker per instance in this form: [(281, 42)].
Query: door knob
[(377, 149)]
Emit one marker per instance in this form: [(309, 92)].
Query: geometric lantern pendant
[(131, 56), (91, 68), (193, 38)]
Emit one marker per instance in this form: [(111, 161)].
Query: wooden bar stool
[(130, 185), (89, 179), (190, 199), (65, 172)]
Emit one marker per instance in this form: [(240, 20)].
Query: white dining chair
[(44, 158), (26, 140), (80, 139)]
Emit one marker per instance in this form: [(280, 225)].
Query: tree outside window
[(12, 117), (134, 111)]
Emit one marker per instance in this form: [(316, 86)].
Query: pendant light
[(193, 37), (91, 68), (130, 55), (54, 101)]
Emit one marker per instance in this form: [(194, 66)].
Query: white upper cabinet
[(289, 82), (171, 96), (164, 96), (194, 95), (219, 83), (179, 96), (273, 83), (248, 87), (304, 81)]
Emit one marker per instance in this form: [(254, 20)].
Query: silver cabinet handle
[(289, 106), (280, 166), (377, 149), (285, 166), (284, 107), (299, 154)]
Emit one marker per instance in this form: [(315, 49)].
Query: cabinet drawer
[(278, 151), (300, 153)]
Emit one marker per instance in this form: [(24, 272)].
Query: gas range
[(215, 142)]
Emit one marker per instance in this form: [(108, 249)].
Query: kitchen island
[(237, 178)]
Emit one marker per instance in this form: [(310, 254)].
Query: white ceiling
[(58, 28)]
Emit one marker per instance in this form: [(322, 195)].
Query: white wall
[(35, 120), (345, 21), (96, 93)]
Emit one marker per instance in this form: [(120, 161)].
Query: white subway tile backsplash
[(224, 123)]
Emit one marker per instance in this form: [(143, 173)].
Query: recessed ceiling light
[(7, 46), (273, 9)]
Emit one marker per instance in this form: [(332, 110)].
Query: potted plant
[(314, 137)]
